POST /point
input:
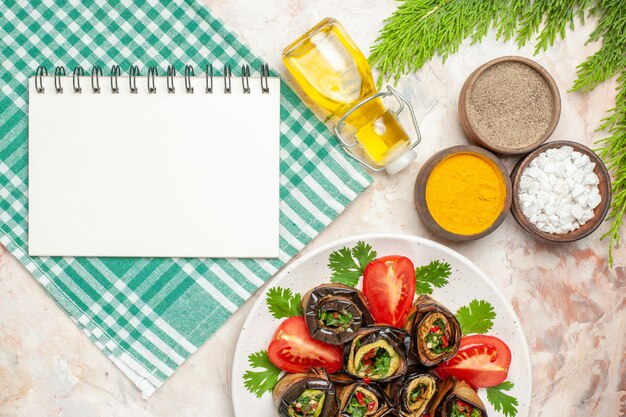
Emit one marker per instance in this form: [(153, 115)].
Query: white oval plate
[(466, 283)]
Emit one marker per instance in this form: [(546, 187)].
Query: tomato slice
[(482, 361), (389, 286), (293, 350)]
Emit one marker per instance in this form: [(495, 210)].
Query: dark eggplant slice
[(359, 399), (340, 379), (306, 395), (413, 394), (435, 331), (456, 398), (334, 313), (377, 353)]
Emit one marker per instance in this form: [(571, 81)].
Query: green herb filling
[(360, 405), (375, 362), (436, 340), (462, 409), (339, 320), (308, 404)]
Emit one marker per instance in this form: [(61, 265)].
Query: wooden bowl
[(420, 192), (468, 124), (599, 213)]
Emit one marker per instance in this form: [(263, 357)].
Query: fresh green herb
[(355, 409), (281, 302), (462, 409), (348, 264), (417, 393), (436, 339), (420, 29), (260, 382), (501, 401), (339, 320), (477, 317), (306, 405), (381, 363), (435, 274)]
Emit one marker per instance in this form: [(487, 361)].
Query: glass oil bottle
[(336, 76)]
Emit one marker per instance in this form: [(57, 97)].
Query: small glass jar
[(336, 76)]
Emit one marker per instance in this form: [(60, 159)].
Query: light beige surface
[(570, 304)]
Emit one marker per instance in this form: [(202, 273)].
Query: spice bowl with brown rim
[(599, 212), (509, 105), (425, 173)]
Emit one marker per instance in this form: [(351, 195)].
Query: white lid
[(401, 162)]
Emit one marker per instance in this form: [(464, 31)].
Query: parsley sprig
[(282, 302), (476, 317), (347, 264), (502, 401), (435, 274), (260, 382)]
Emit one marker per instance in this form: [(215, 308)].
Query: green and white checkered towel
[(148, 315)]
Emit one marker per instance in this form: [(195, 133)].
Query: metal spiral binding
[(76, 74), (171, 73), (58, 72), (39, 73), (265, 73), (96, 72), (152, 72), (189, 72), (115, 72), (209, 73), (227, 78), (132, 79), (245, 78)]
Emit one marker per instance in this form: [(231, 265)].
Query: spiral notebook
[(155, 165)]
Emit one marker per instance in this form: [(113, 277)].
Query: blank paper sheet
[(154, 175)]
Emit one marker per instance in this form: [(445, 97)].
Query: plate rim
[(282, 273)]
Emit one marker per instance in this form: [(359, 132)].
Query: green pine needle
[(421, 29), (613, 151)]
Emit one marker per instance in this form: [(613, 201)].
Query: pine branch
[(421, 29), (610, 59), (559, 15), (613, 152)]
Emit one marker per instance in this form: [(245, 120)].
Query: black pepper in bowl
[(509, 105)]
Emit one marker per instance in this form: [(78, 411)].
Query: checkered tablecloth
[(148, 315)]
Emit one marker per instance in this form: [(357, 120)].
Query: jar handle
[(402, 101)]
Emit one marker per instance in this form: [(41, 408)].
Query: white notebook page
[(158, 175)]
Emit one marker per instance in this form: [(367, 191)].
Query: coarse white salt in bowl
[(558, 190)]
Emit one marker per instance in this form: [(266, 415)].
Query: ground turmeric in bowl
[(465, 193)]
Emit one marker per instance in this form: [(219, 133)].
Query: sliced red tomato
[(389, 286), (293, 350), (482, 361)]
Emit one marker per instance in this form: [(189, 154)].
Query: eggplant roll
[(362, 400), (377, 353), (413, 394), (306, 395), (456, 398), (435, 331), (335, 312)]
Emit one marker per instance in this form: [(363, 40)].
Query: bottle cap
[(401, 162)]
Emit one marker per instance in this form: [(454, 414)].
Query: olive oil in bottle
[(335, 75)]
